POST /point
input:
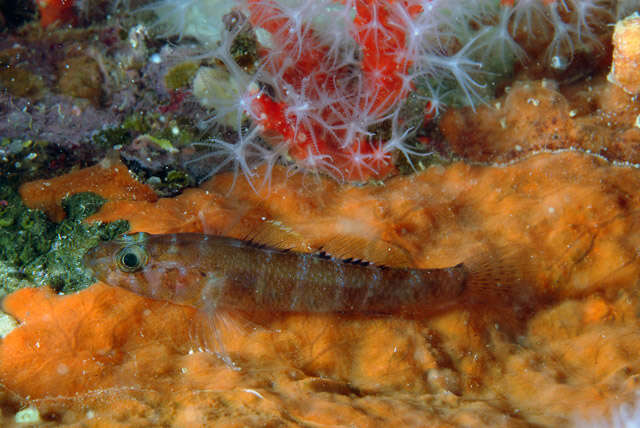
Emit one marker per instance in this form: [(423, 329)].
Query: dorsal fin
[(357, 262), (358, 250), (349, 249)]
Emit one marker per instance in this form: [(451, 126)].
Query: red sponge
[(56, 11)]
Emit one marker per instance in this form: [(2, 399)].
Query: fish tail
[(502, 286)]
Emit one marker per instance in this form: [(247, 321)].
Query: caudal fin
[(503, 285)]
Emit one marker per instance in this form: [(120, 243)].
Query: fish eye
[(131, 258)]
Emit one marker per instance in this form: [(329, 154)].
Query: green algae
[(170, 180), (82, 205), (244, 49), (181, 75), (173, 183), (24, 160), (420, 163), (140, 122), (80, 77), (24, 233), (109, 138), (158, 140), (36, 251), (20, 82), (178, 132)]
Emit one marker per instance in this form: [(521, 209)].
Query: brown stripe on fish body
[(287, 281)]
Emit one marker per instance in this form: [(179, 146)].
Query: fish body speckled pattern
[(209, 272)]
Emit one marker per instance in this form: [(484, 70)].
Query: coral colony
[(342, 87)]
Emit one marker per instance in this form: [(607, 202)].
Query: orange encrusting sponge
[(575, 218)]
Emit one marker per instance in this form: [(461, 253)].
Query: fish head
[(155, 266), (121, 262)]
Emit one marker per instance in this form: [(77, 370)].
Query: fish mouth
[(88, 264), (94, 261)]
